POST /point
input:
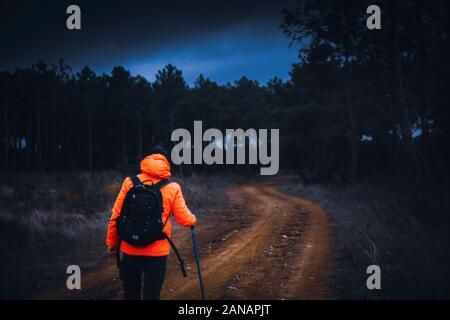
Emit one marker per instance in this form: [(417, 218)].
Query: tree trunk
[(39, 137), (46, 145), (101, 154), (7, 138), (426, 115), (124, 150), (414, 172), (139, 139), (69, 144), (171, 127), (353, 137), (425, 127), (30, 142), (90, 145)]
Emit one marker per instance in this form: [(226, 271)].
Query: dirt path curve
[(264, 245)]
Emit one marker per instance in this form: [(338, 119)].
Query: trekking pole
[(194, 240)]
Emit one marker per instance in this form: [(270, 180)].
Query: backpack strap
[(163, 182), (183, 270), (136, 181)]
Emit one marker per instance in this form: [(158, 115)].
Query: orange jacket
[(154, 168)]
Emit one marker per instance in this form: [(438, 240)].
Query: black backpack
[(140, 220)]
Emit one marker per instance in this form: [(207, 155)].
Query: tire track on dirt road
[(264, 245), (283, 254)]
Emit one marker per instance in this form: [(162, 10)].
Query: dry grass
[(49, 221), (373, 225)]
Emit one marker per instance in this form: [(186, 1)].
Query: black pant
[(131, 270)]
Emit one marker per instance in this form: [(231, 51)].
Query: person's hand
[(112, 250)]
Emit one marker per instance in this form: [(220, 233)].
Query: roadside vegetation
[(372, 224), (50, 221)]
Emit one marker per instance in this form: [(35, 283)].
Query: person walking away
[(148, 261)]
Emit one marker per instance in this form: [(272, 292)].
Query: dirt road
[(264, 245)]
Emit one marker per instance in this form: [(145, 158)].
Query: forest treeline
[(358, 102)]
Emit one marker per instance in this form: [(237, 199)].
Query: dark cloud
[(143, 35)]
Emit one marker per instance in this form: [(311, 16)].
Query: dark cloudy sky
[(224, 40)]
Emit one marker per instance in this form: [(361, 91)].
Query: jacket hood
[(156, 165)]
